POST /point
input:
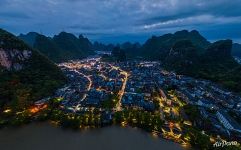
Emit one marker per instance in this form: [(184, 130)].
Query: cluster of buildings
[(220, 107), (140, 87), (92, 82), (216, 105)]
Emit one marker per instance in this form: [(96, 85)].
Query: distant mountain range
[(157, 48), (25, 74), (189, 53), (61, 47), (102, 47), (186, 52), (66, 46)]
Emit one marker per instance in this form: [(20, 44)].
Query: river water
[(43, 136)]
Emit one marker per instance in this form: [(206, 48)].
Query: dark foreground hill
[(25, 74)]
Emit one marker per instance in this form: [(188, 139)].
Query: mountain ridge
[(215, 64), (61, 47), (160, 45)]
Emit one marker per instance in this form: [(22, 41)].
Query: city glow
[(7, 110)]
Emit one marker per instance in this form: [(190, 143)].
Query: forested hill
[(61, 47), (25, 74), (157, 47), (215, 63)]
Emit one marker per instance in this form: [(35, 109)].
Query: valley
[(141, 94)]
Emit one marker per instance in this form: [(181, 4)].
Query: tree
[(118, 54)]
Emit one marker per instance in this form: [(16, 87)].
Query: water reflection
[(47, 137)]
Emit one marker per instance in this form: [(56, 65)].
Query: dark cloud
[(14, 15), (116, 19)]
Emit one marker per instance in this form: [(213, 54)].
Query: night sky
[(123, 20)]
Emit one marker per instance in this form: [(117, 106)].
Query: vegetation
[(38, 78), (110, 102), (198, 139), (192, 111), (219, 66), (107, 58), (189, 53), (157, 48), (102, 47), (117, 55), (236, 50), (215, 63), (62, 47), (138, 118), (193, 56), (76, 121), (185, 52), (130, 49), (181, 57)]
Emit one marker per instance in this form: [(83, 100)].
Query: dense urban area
[(139, 94)]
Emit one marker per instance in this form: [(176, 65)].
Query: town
[(138, 94), (111, 87)]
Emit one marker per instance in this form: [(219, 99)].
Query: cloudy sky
[(122, 20)]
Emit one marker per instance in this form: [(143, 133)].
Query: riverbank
[(41, 136)]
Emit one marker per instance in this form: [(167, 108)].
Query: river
[(43, 136)]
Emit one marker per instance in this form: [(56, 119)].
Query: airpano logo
[(225, 143)]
